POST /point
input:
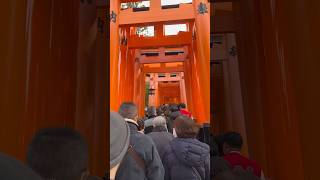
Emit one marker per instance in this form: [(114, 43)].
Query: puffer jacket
[(187, 159)]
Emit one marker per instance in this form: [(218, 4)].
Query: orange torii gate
[(127, 72)]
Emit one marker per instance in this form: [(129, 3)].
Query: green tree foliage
[(132, 5), (147, 94)]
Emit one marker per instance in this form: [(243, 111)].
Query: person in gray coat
[(160, 135), (186, 157), (142, 162)]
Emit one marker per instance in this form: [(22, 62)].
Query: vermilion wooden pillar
[(188, 85), (129, 76), (291, 42), (114, 56), (52, 74), (91, 93), (202, 23), (136, 92), (142, 87), (122, 67), (249, 53), (52, 66), (14, 35), (127, 57), (278, 47), (198, 106), (199, 103)]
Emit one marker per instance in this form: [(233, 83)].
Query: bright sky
[(174, 29), (169, 29), (167, 2), (170, 2)]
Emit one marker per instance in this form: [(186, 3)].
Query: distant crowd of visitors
[(163, 145)]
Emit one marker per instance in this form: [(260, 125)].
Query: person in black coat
[(186, 157)]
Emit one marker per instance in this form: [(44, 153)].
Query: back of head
[(12, 169), (173, 107), (233, 139), (182, 106), (128, 110), (58, 153), (185, 127), (159, 121), (152, 112), (174, 114), (160, 111)]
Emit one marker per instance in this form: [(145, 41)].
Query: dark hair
[(174, 115), (182, 106), (173, 107), (233, 139), (160, 111), (151, 112), (185, 127), (128, 110), (58, 153)]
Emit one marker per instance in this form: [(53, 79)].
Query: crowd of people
[(163, 145)]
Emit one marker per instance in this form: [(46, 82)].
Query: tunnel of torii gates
[(129, 64)]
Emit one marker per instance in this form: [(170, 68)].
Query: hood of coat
[(190, 151)]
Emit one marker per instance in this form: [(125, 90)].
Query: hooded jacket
[(187, 159)]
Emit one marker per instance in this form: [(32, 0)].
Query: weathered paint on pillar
[(198, 105), (123, 66), (188, 88), (129, 77)]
